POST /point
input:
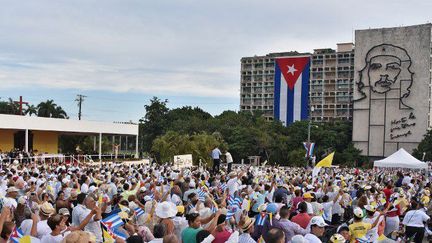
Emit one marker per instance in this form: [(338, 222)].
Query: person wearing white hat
[(358, 229), (166, 211), (317, 229), (371, 215), (45, 211)]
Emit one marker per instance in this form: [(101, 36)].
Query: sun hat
[(12, 189), (298, 239), (262, 207), (337, 238), (307, 195), (318, 221), (64, 211), (248, 222), (358, 212), (47, 209), (166, 210)]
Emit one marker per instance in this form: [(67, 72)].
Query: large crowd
[(109, 202)]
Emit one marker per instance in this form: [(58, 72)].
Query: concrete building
[(42, 134), (392, 95), (331, 83), (257, 83), (330, 90)]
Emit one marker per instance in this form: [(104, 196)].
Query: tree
[(51, 109), (9, 107), (425, 146), (30, 110), (153, 123)]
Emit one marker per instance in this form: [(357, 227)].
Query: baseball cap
[(358, 212), (307, 195), (337, 238), (318, 221)]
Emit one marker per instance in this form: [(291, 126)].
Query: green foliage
[(51, 109), (425, 146), (174, 143), (153, 123), (9, 107), (192, 130)]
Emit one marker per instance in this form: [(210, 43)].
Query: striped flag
[(213, 209), (201, 195), (16, 235), (261, 219), (291, 81), (112, 221), (138, 211), (235, 201), (309, 148), (223, 187), (231, 212)]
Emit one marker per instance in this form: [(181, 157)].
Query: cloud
[(188, 47)]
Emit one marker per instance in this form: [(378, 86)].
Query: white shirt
[(84, 188), (309, 208), (26, 226), (92, 226), (176, 200), (76, 212), (229, 158), (327, 208), (233, 185), (48, 238), (312, 238), (42, 229), (415, 218)]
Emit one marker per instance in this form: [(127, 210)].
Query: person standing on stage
[(216, 153)]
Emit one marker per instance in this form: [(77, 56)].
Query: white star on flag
[(291, 69)]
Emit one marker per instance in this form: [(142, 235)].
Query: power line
[(80, 99)]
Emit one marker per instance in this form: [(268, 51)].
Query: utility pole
[(80, 99)]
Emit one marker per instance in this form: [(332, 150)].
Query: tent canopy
[(401, 159)]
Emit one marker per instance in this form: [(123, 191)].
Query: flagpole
[(312, 108)]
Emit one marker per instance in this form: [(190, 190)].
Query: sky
[(121, 53)]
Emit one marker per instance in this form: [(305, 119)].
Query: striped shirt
[(246, 238)]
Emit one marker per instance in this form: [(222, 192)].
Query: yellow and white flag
[(326, 162)]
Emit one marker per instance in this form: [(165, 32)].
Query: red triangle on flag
[(291, 68)]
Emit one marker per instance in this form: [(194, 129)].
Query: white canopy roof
[(401, 159)]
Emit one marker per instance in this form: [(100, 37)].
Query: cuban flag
[(260, 219), (309, 148), (138, 211), (16, 235), (113, 221), (201, 195), (291, 89)]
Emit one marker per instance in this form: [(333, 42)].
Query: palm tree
[(46, 109), (31, 110), (60, 113), (50, 109), (8, 107)]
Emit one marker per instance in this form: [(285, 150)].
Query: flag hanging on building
[(291, 94)]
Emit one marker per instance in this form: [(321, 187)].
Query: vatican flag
[(326, 162)]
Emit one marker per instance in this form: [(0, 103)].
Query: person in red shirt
[(221, 234), (303, 217), (388, 191), (296, 200)]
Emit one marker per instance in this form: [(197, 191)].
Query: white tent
[(401, 159)]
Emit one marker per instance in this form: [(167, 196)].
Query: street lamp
[(310, 122)]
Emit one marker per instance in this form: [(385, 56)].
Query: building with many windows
[(331, 83), (257, 83)]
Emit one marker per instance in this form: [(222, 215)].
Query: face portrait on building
[(391, 107)]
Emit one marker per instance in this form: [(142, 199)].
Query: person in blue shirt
[(216, 153)]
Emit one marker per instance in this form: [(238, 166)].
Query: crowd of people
[(59, 202)]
